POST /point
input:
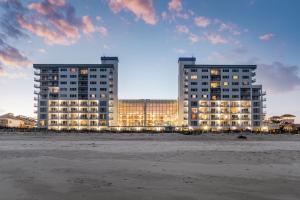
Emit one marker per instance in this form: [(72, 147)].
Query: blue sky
[(148, 36)]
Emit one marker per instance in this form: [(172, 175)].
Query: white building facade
[(77, 96), (219, 97)]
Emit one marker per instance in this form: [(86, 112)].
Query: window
[(103, 82), (194, 77), (245, 77), (235, 90), (73, 89), (235, 70), (63, 89), (102, 95), (93, 95), (226, 90), (246, 83), (102, 109), (204, 83), (63, 95), (235, 83), (225, 96), (103, 76), (93, 76), (73, 82), (72, 70), (214, 72), (204, 96), (225, 77), (194, 123), (225, 83), (193, 70), (102, 70), (215, 84), (194, 103), (204, 89), (93, 69), (245, 70), (63, 82), (204, 77), (194, 96), (204, 70), (83, 71), (63, 69), (194, 89), (102, 103), (73, 95), (73, 76), (63, 76), (93, 89), (225, 70), (194, 83), (235, 77), (102, 89), (93, 82), (235, 96)]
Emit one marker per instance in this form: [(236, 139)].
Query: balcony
[(37, 86), (37, 73), (253, 80), (263, 93)]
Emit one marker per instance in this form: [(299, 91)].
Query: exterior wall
[(219, 96), (10, 123), (77, 96), (147, 113)]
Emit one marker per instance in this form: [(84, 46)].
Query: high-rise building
[(77, 96), (218, 97), (210, 97)]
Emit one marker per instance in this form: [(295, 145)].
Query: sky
[(148, 36)]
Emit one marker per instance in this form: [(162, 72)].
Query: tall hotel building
[(77, 96), (85, 96), (218, 97)]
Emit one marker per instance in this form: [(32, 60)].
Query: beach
[(70, 166)]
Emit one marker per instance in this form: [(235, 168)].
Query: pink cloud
[(182, 29), (12, 57), (49, 35), (230, 27), (70, 31), (175, 5), (216, 39), (141, 8), (266, 37), (194, 38), (89, 27), (58, 3), (41, 8), (202, 21)]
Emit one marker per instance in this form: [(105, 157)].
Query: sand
[(143, 166)]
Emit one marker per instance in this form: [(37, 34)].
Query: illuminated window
[(235, 77), (204, 96), (215, 84), (194, 77), (214, 97), (72, 70), (83, 71), (194, 110), (214, 72), (194, 96), (225, 83)]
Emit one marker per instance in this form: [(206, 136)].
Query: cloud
[(266, 37), (175, 5), (215, 38), (42, 50), (12, 57), (88, 26), (58, 3), (278, 77), (194, 38), (230, 27), (141, 8), (202, 21), (182, 29), (179, 51), (50, 35)]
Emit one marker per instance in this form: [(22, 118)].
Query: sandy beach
[(145, 166)]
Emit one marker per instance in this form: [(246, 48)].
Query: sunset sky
[(148, 36)]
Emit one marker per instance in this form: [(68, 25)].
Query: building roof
[(37, 66), (187, 59), (220, 66), (109, 58)]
